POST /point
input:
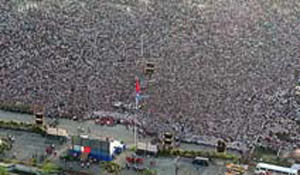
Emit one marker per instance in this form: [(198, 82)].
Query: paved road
[(27, 144), (118, 132)]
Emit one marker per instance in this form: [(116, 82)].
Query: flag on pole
[(86, 149), (137, 91), (137, 86)]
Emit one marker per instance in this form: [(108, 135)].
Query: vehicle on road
[(134, 162), (108, 121), (202, 161), (266, 169)]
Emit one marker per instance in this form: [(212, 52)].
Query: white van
[(263, 169)]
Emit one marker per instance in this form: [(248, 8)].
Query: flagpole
[(137, 91), (136, 99), (135, 128)]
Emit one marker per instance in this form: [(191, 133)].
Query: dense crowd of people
[(222, 68)]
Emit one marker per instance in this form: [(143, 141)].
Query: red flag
[(86, 149), (137, 86)]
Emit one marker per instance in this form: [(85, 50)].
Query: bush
[(184, 153), (49, 168), (67, 157), (149, 172), (133, 149), (6, 160), (192, 153), (38, 129), (111, 167), (175, 152), (34, 161), (22, 126), (165, 153), (3, 171), (4, 146)]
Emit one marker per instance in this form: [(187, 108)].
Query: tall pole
[(135, 128), (136, 99)]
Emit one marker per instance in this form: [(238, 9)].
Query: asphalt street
[(27, 144)]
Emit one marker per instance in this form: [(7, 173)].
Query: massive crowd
[(223, 68)]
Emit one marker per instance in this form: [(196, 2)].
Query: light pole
[(177, 165)]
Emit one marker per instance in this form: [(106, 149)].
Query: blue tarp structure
[(100, 149), (101, 156)]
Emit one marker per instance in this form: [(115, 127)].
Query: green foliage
[(4, 146), (34, 161), (22, 126), (165, 153), (3, 171), (133, 149), (192, 153), (148, 172), (6, 160), (175, 152), (47, 161), (111, 167), (49, 168), (68, 157)]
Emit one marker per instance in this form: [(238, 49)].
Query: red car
[(132, 160), (105, 121)]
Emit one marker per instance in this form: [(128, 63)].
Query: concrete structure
[(57, 132), (147, 148)]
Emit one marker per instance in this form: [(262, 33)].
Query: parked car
[(202, 161), (109, 121)]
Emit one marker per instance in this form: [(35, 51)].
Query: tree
[(3, 171)]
